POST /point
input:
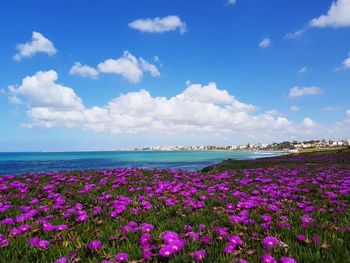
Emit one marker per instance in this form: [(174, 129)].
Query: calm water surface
[(30, 162)]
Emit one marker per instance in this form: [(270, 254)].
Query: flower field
[(286, 213)]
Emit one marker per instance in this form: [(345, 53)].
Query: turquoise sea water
[(30, 162)]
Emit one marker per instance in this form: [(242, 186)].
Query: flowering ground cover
[(288, 213)]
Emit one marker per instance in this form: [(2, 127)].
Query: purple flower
[(307, 220), (7, 221), (301, 238), (147, 227), (170, 236), (316, 239), (61, 227), (166, 251), (34, 241), (46, 226), (270, 242), (24, 228), (4, 242), (146, 254), (14, 232), (176, 245), (121, 257), (235, 240), (266, 258), (94, 245), (43, 244), (82, 218), (61, 260), (198, 255), (229, 248), (288, 260), (266, 218)]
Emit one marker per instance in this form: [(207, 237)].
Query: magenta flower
[(198, 255), (146, 254), (82, 218), (61, 260), (166, 251), (14, 232), (301, 238), (4, 242), (7, 221), (315, 239), (24, 228), (121, 257), (176, 245), (288, 260), (43, 244), (235, 240), (95, 245), (47, 227), (266, 218), (270, 242), (146, 227), (34, 241), (170, 236), (266, 258), (61, 227), (307, 219), (229, 248)]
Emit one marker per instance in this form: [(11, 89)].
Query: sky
[(103, 75)]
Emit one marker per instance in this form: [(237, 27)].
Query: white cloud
[(294, 108), (304, 91), (337, 16), (41, 90), (129, 67), (266, 42), (159, 25), (38, 44), (231, 2), (346, 62), (297, 34), (309, 123), (148, 67), (198, 109), (83, 70)]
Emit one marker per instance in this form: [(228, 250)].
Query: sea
[(19, 163)]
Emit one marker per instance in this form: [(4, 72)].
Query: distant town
[(294, 146)]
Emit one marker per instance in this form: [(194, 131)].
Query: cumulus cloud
[(337, 16), (309, 123), (83, 70), (266, 42), (346, 62), (304, 91), (198, 109), (129, 67), (41, 90), (38, 44), (159, 25)]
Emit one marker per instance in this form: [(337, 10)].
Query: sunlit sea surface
[(32, 162)]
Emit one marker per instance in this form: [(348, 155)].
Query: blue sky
[(172, 72)]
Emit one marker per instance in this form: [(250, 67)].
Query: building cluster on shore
[(282, 146)]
